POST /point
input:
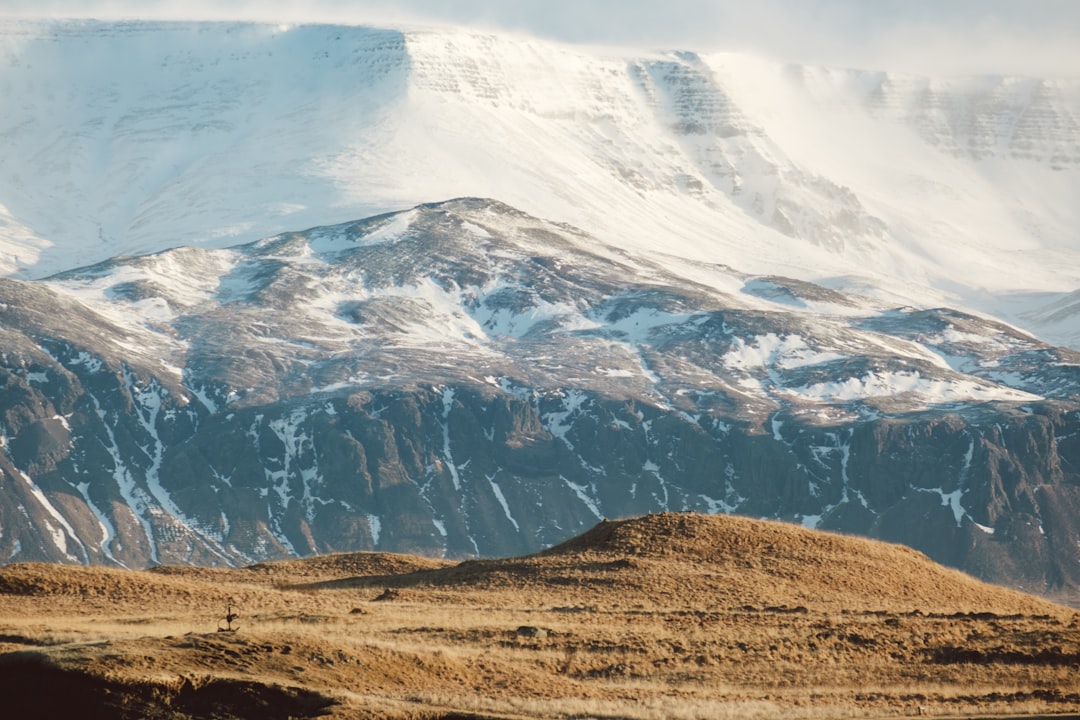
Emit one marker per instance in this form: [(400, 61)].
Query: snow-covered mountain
[(464, 379), (126, 138), (842, 298)]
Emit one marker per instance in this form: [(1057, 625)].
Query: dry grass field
[(665, 616)]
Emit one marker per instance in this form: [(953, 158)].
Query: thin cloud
[(926, 36)]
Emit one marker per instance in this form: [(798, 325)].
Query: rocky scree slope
[(462, 379)]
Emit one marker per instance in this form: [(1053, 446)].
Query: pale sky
[(1040, 37)]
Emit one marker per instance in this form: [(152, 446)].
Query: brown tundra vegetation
[(666, 616)]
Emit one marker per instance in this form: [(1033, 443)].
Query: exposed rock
[(530, 390)]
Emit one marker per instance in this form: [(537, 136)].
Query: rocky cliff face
[(463, 379)]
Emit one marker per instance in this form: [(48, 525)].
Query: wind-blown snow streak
[(448, 405), (108, 530), (64, 533), (589, 502), (135, 497), (502, 501), (889, 384)]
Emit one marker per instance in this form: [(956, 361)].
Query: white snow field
[(126, 138)]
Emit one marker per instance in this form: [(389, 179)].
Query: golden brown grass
[(667, 616)]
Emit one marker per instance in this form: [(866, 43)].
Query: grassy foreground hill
[(665, 616)]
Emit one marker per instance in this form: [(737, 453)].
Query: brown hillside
[(692, 561), (90, 584), (313, 569), (778, 563), (347, 565), (665, 616)]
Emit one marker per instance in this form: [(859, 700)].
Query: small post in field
[(230, 616)]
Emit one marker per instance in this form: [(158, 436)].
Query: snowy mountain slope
[(706, 282), (477, 280), (125, 138), (464, 379)]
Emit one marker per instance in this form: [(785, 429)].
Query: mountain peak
[(669, 281), (919, 190)]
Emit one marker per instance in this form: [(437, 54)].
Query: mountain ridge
[(938, 192), (461, 379), (709, 282)]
